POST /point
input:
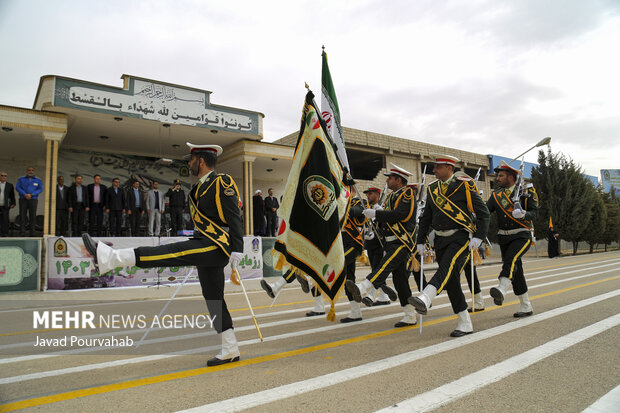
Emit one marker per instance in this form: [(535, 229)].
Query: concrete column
[(248, 165), (52, 143)]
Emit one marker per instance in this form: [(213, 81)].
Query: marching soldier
[(372, 245), (218, 240), (397, 222), (353, 243), (451, 200), (514, 235)]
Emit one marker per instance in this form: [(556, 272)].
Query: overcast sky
[(487, 76)]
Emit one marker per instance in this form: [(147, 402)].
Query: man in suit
[(271, 211), (155, 207), (217, 241), (7, 201), (29, 187), (62, 204), (78, 206), (96, 200), (115, 204), (135, 207)]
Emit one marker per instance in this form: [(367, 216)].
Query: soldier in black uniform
[(372, 244), (396, 224), (218, 240), (450, 202), (176, 197), (514, 235), (353, 244)]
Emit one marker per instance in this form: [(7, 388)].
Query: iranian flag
[(331, 112), (313, 208)]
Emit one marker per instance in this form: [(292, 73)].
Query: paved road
[(564, 358)]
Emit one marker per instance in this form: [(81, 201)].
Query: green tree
[(594, 231), (565, 194), (612, 223)]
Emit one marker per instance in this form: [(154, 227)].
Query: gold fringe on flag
[(477, 258), (487, 250), (363, 259), (428, 259), (331, 316)]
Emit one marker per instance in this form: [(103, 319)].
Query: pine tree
[(612, 224), (596, 227), (565, 194)]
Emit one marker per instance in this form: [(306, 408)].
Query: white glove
[(420, 248), (235, 259), (377, 207), (475, 243), (369, 235), (518, 213), (369, 213)]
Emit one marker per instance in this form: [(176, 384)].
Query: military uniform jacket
[(397, 219), (214, 208), (462, 193), (502, 203), (352, 232)]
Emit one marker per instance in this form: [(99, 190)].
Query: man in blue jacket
[(29, 187)]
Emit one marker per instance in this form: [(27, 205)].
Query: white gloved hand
[(369, 213), (235, 259), (369, 235), (518, 213), (420, 248), (475, 243), (377, 207)]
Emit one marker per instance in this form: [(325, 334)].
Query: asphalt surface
[(564, 358)]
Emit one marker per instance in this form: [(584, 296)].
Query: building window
[(365, 165)]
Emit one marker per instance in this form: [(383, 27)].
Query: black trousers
[(209, 261), (467, 269), (77, 220), (352, 250), (28, 206), (136, 215), (512, 267), (116, 220), (62, 220), (451, 258), (375, 253), (4, 221), (394, 261), (176, 219), (272, 220), (95, 220)]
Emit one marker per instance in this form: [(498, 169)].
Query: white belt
[(447, 233), (512, 231), (391, 238)]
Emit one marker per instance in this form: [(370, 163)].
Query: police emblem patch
[(320, 196), (60, 248)]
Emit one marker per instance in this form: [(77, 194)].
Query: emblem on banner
[(255, 243), (60, 248), (320, 195)]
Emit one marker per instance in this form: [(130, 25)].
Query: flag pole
[(234, 270)]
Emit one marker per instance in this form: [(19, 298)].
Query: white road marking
[(457, 389), (606, 404), (331, 379)]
